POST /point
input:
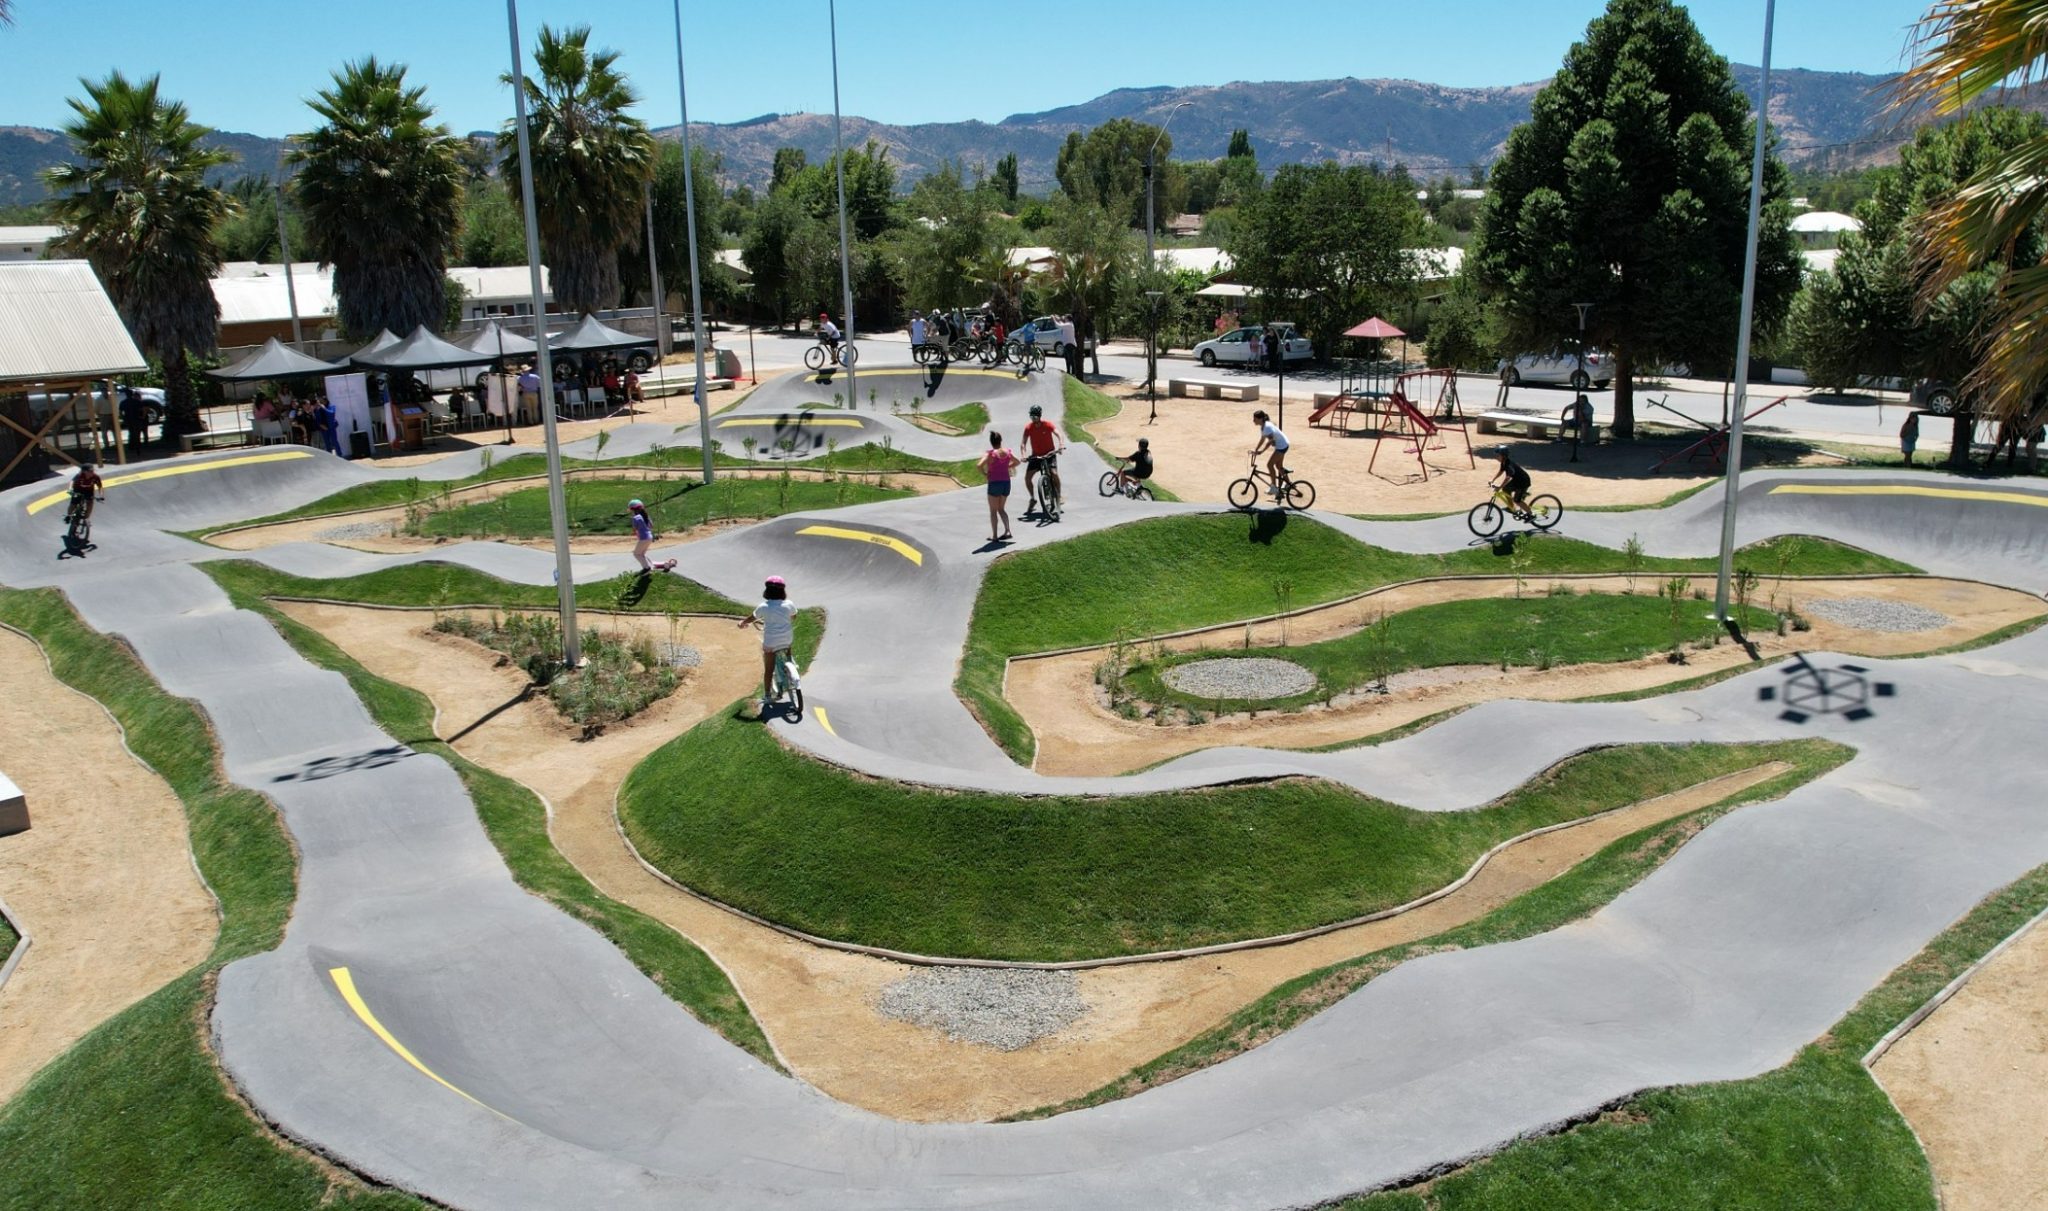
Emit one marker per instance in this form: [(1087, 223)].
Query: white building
[(26, 243)]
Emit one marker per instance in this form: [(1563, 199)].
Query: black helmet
[(1036, 412), (1144, 443)]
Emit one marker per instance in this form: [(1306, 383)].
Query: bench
[(13, 808), (1535, 424), (1209, 388)]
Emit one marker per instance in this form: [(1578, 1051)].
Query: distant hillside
[(1831, 118)]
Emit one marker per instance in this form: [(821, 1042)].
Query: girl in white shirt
[(1270, 438), (777, 619)]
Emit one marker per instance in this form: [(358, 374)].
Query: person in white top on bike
[(1270, 438), (776, 616)]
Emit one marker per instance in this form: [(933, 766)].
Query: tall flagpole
[(690, 220), (1756, 196), (839, 171), (565, 582)]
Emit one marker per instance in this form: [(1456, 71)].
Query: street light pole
[(565, 578), (690, 220), (1756, 196), (1151, 257), (839, 174), (1151, 346), (655, 292)]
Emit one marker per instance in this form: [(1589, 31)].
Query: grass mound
[(1526, 632), (432, 585), (728, 811), (599, 507), (1177, 573)]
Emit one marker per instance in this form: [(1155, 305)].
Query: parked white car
[(1234, 346), (1053, 335), (1561, 368)]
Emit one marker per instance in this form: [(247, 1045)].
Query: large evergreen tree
[(1325, 245), (1105, 167), (1628, 188), (380, 184), (591, 164), (137, 206)]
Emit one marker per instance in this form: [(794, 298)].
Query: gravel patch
[(1250, 677), (681, 656), (1876, 614), (357, 530), (999, 1007)]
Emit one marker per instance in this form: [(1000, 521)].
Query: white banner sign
[(350, 395)]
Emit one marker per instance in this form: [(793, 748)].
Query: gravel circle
[(1248, 677), (357, 530), (1000, 1007), (1877, 614), (681, 656)]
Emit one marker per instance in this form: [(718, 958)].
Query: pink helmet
[(775, 580)]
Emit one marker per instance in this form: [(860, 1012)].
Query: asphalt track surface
[(436, 1028)]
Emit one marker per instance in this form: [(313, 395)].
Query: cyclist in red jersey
[(1043, 444)]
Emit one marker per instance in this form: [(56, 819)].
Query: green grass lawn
[(136, 1115), (447, 585), (1535, 631), (1178, 573), (8, 937), (726, 810), (599, 507), (967, 418), (866, 458)]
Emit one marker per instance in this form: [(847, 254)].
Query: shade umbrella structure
[(275, 360), (494, 340), (591, 336), (420, 352), (383, 340), (1377, 329)]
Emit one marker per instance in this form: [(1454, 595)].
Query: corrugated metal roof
[(260, 297), (57, 323)]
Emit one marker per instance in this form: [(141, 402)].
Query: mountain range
[(1837, 119)]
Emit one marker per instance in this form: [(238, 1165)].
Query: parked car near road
[(1234, 346), (1053, 335), (1934, 395), (1562, 368)]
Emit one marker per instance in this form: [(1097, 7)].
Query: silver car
[(1560, 368)]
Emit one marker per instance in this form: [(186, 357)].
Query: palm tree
[(590, 164), (1967, 49), (137, 205), (380, 186)]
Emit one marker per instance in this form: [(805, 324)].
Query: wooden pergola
[(61, 345)]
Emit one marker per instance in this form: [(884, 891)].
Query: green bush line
[(1571, 896), (516, 821), (1224, 567), (726, 810), (135, 1114)]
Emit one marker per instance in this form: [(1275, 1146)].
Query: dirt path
[(816, 1003), (103, 880), (1973, 1081), (1201, 445), (377, 529), (1078, 734)]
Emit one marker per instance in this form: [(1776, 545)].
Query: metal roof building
[(57, 325)]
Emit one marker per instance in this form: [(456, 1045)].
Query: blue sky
[(248, 64)]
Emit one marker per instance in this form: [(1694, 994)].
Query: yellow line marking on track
[(784, 422), (881, 540), (824, 720), (115, 481), (2009, 498), (346, 985)]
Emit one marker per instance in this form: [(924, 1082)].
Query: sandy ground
[(1078, 734), (314, 529), (817, 1004), (102, 880), (1973, 1081), (1200, 446)]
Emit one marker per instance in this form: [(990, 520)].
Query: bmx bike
[(1291, 492), (816, 356), (1045, 490), (78, 522), (1113, 484), (1487, 517), (787, 687)]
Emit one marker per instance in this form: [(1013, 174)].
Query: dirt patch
[(103, 880), (1973, 1081), (818, 1005), (1202, 445), (377, 530), (1078, 735)]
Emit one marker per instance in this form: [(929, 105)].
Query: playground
[(1288, 947)]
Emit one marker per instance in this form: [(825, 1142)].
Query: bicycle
[(1486, 517), (1028, 357), (788, 686), (926, 353), (815, 356), (1293, 493), (1045, 490), (1113, 484), (78, 522)]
